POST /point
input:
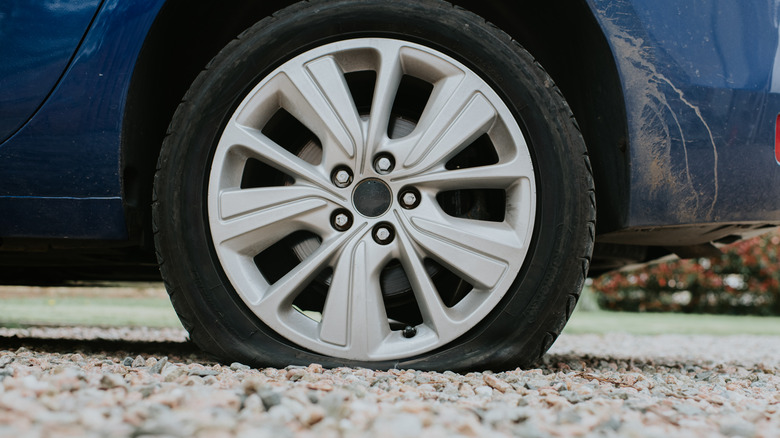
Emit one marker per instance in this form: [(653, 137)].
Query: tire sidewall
[(513, 330)]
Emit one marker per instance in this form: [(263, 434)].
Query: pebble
[(496, 383), (158, 365), (588, 386), (138, 362)]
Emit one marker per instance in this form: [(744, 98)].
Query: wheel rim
[(359, 218)]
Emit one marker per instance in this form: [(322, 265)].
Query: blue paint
[(698, 83), (70, 147), (68, 218), (38, 40)]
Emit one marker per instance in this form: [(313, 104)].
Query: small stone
[(109, 381), (128, 361), (495, 383), (295, 374), (270, 398), (193, 381), (466, 390), (321, 385), (253, 385), (315, 368), (537, 383), (426, 387), (406, 377), (6, 360), (172, 373), (613, 423), (483, 391), (147, 390), (235, 366), (568, 416), (334, 404), (575, 397), (202, 372), (311, 415), (687, 409), (358, 390), (139, 362), (158, 366), (421, 379), (253, 405)]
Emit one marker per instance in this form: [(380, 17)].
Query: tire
[(377, 184)]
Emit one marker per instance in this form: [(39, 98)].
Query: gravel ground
[(613, 385)]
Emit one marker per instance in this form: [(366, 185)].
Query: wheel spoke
[(255, 231), (389, 74), (241, 202), (279, 297), (477, 251), (354, 312), (457, 114), (318, 93), (433, 310), (255, 144), (497, 176)]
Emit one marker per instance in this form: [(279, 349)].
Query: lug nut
[(341, 220), (383, 233), (342, 177), (383, 164), (409, 331), (409, 198)]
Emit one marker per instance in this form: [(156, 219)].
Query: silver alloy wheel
[(353, 323)]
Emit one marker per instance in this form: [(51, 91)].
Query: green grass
[(156, 311), (150, 312), (600, 322)]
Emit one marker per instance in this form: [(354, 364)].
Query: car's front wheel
[(374, 183)]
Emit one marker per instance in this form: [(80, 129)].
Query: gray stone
[(159, 365), (269, 397), (202, 372), (6, 360), (109, 381), (139, 362)]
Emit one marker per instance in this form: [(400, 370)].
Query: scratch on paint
[(651, 131), (709, 132)]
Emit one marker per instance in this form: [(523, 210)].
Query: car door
[(37, 42)]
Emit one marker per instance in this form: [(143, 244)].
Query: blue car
[(382, 184)]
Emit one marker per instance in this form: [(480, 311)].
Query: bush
[(745, 280)]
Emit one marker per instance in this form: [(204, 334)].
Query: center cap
[(372, 197)]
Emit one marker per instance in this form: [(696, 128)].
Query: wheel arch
[(568, 42), (184, 37)]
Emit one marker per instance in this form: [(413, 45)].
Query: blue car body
[(678, 102)]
